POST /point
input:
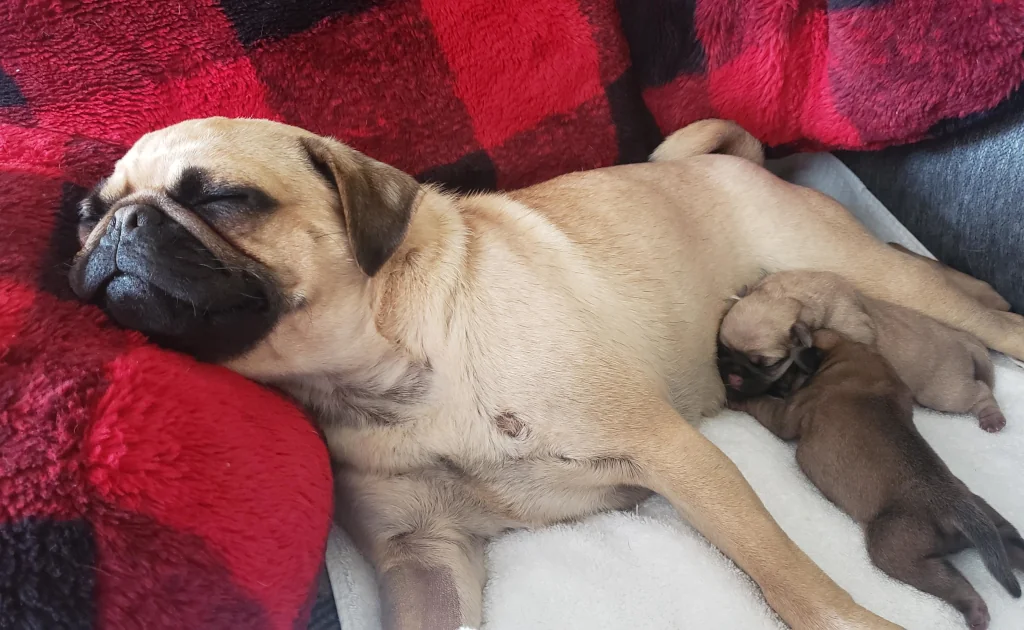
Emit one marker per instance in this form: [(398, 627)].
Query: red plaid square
[(107, 86), (579, 140), (516, 63), (376, 80)]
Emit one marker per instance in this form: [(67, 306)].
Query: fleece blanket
[(105, 440), (649, 570)]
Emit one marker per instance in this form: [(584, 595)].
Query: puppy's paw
[(977, 616), (991, 420), (734, 402)]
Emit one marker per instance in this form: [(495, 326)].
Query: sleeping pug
[(488, 361), (947, 370)]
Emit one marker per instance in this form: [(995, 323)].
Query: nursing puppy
[(745, 379), (946, 369), (853, 419), (488, 361)]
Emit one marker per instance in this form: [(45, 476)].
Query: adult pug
[(488, 361)]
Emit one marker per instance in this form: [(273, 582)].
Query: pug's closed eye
[(196, 189), (223, 197)]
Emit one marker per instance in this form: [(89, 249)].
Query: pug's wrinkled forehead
[(196, 163)]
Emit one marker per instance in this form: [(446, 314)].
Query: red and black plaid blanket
[(139, 489)]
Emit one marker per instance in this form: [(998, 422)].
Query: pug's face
[(223, 237)]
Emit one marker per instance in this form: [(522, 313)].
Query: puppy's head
[(745, 379), (213, 233), (760, 325)]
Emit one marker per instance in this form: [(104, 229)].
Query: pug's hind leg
[(886, 274), (441, 591), (819, 234), (977, 289)]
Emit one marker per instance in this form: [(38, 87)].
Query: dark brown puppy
[(858, 444)]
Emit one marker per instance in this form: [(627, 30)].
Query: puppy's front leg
[(771, 413), (679, 463)]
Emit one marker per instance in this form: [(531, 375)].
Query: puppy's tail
[(967, 517), (984, 371), (710, 136)]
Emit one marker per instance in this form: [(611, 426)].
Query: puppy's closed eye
[(763, 361)]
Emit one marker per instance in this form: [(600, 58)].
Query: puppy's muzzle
[(151, 274)]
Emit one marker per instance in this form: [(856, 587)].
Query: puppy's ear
[(801, 335), (808, 359), (376, 199)]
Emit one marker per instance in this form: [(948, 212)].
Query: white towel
[(647, 569)]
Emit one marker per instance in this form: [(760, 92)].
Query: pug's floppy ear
[(376, 199), (801, 335)]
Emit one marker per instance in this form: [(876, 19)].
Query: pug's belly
[(542, 491)]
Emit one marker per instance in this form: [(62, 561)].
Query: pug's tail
[(710, 136), (966, 516)]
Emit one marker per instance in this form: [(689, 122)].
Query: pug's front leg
[(414, 530), (672, 458), (441, 589)]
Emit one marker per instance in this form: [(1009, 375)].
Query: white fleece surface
[(648, 569)]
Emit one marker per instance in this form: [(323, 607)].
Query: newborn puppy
[(858, 444), (946, 369)]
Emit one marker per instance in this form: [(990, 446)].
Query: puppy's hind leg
[(1012, 539), (903, 546), (986, 409)]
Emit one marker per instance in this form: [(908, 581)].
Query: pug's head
[(218, 237)]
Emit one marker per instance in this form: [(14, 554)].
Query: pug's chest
[(504, 458)]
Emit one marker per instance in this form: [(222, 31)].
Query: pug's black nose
[(131, 217)]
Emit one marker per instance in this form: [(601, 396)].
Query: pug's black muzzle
[(150, 274)]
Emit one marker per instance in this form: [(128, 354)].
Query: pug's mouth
[(150, 274)]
